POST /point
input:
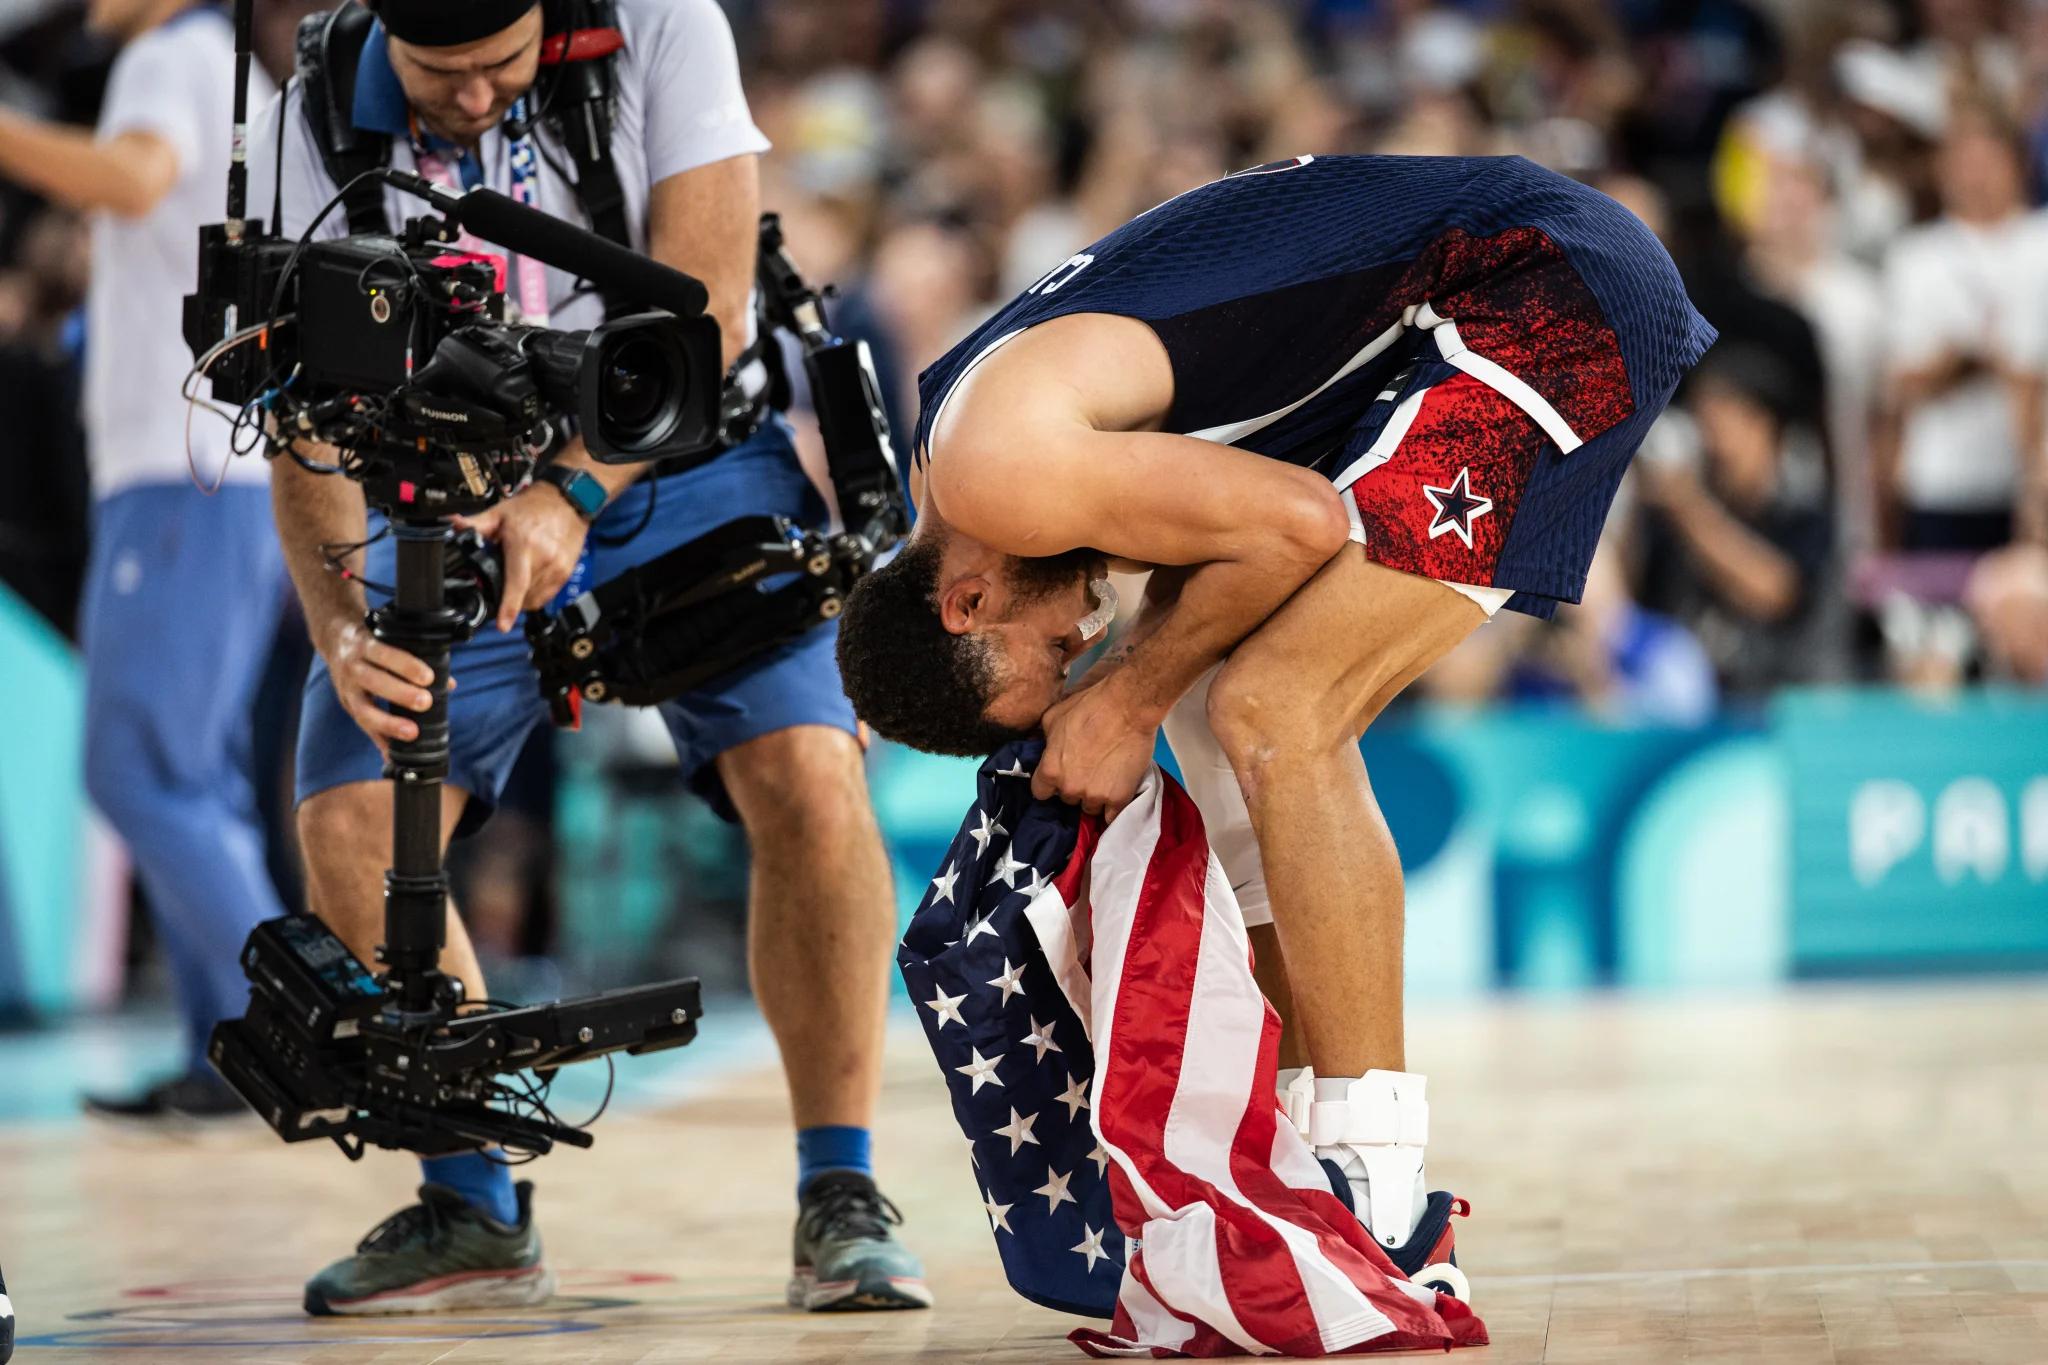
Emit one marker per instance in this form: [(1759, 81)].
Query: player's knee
[(1262, 708), (800, 788), (1258, 713)]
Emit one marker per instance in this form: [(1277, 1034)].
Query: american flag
[(1087, 991)]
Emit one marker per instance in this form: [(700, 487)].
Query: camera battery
[(309, 977)]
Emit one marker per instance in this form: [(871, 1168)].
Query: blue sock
[(485, 1183), (832, 1147)]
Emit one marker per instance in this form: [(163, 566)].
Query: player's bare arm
[(1045, 453)]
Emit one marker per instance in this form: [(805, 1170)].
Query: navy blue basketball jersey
[(1300, 302)]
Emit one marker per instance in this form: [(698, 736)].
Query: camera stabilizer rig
[(700, 610), (326, 1049), (396, 352)]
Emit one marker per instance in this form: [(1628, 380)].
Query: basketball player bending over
[(1345, 408)]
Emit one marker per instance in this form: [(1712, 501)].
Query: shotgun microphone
[(518, 227)]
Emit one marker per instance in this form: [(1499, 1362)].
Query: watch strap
[(582, 490)]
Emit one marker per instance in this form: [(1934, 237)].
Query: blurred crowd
[(1853, 484)]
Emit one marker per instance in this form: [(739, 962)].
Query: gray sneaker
[(846, 1257), (438, 1254)]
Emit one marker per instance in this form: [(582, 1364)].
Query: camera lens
[(642, 387), (637, 378)]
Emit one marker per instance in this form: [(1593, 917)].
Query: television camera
[(396, 352)]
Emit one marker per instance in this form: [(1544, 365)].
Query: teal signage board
[(42, 814), (1919, 830)]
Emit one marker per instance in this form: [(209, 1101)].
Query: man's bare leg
[(1206, 773), (345, 839), (1269, 969), (820, 936), (486, 1253), (1289, 708), (821, 917)]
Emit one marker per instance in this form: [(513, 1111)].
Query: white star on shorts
[(1457, 507), (1040, 1037), (1055, 1189)]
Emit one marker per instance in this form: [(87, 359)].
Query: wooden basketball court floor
[(1829, 1174)]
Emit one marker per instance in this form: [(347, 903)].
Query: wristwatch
[(584, 493)]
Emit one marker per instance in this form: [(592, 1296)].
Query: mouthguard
[(1097, 621)]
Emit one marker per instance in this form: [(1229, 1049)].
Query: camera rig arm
[(845, 394), (746, 586), (320, 1053)]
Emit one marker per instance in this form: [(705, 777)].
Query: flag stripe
[(1178, 1120), (1225, 1111), (1197, 1221)]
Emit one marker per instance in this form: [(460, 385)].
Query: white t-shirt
[(1951, 287), (680, 106), (175, 82)]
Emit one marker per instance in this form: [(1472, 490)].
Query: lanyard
[(530, 275)]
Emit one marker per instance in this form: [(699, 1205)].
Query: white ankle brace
[(1298, 1094), (1376, 1134)]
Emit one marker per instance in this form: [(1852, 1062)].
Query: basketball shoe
[(846, 1257), (438, 1254), (1369, 1135)]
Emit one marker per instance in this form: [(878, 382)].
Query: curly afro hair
[(909, 677)]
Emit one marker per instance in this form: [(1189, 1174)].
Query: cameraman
[(183, 590), (773, 744)]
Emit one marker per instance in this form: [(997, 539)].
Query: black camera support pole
[(419, 621)]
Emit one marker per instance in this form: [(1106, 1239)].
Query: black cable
[(582, 285), (334, 552), (611, 1079), (291, 262)]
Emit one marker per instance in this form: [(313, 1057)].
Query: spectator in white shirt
[(1967, 343)]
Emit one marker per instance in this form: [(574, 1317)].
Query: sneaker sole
[(520, 1288), (880, 1293), (1445, 1278)]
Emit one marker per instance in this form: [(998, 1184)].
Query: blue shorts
[(498, 701)]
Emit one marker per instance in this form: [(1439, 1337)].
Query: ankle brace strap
[(1298, 1098), (1380, 1108)]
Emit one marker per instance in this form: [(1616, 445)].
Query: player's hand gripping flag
[(1088, 992)]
